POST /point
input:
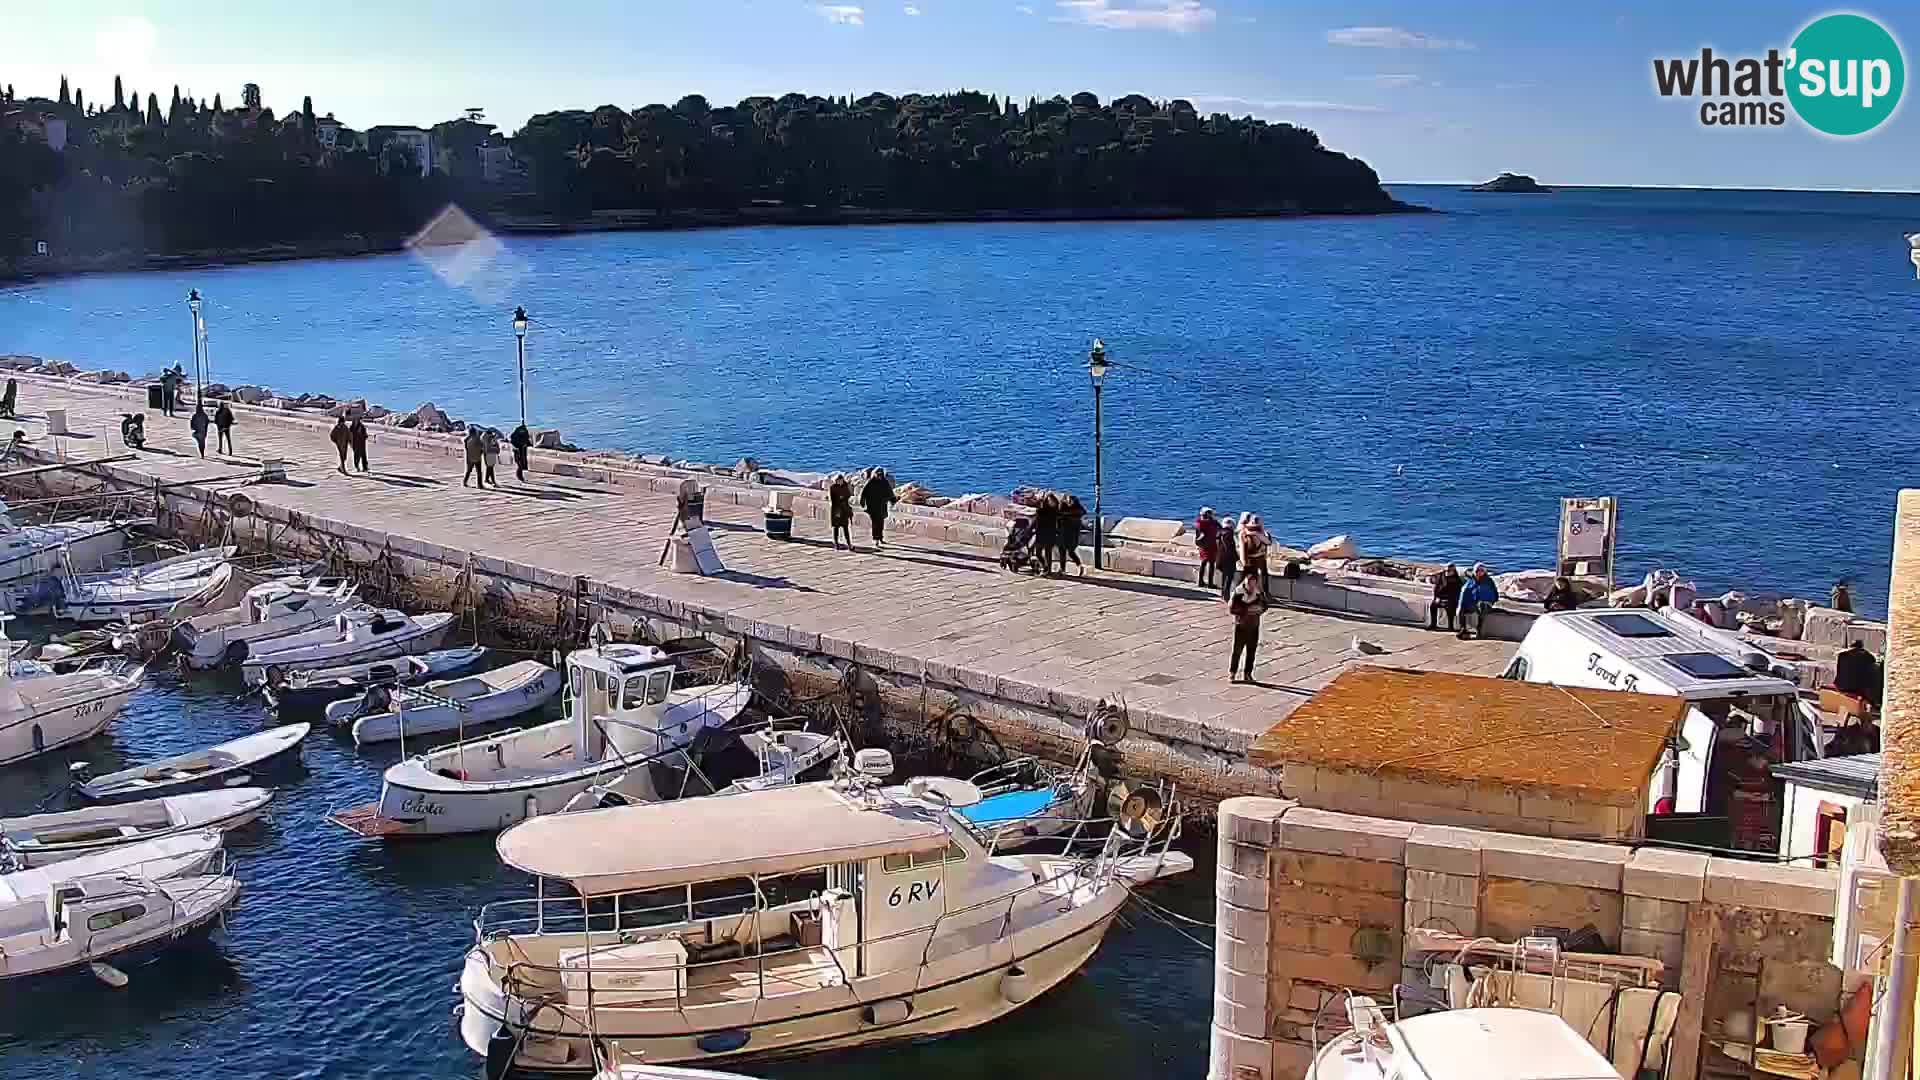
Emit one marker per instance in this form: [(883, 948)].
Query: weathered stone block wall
[(1340, 894), (1501, 807)]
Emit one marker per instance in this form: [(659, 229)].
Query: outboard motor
[(133, 430)]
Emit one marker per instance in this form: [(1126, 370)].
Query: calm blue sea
[(1737, 367)]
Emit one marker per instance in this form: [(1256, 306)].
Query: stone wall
[(1504, 807), (1312, 903)]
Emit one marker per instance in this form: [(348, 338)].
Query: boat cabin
[(621, 701), (275, 599), (93, 905)]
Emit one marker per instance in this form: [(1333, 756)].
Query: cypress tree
[(79, 102), (66, 97), (306, 116), (216, 103), (153, 110), (119, 99)]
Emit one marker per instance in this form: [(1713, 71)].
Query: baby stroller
[(1018, 554), (133, 430)]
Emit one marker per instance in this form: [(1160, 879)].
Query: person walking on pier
[(1046, 529), (1226, 558), (840, 508), (490, 449), (223, 423), (521, 440), (1254, 543), (1073, 516), (1248, 604), (1477, 597), (340, 436), (170, 380), (876, 497), (200, 424), (1206, 540), (357, 438), (474, 452), (10, 400), (1446, 597)]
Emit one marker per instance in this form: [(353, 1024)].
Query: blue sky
[(1423, 91)]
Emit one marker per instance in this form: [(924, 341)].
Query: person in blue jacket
[(1477, 597)]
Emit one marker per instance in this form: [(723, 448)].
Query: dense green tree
[(153, 110), (119, 97), (250, 97), (306, 117)]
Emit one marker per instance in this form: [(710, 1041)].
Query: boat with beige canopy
[(780, 922)]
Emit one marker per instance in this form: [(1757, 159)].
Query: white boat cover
[(148, 860), (778, 831)]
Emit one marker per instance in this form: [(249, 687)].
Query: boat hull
[(943, 997), (58, 963), (405, 811), (423, 638), (64, 724), (239, 774), (226, 812), (204, 650), (439, 719), (303, 695)]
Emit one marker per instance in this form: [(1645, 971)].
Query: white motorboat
[(622, 710), (180, 855), (720, 761), (1485, 1044), (772, 923), (269, 610), (234, 763), (354, 635), (106, 924), (141, 591), (40, 839), (315, 688), (448, 705), (43, 709), (33, 556), (664, 1072)]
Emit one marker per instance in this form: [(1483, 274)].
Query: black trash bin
[(156, 396)]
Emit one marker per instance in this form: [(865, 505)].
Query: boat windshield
[(646, 688)]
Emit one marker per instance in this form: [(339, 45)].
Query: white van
[(1733, 695)]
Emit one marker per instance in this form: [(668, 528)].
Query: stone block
[(1299, 781), (1510, 908), (1245, 859), (1240, 890), (1252, 819), (1460, 890), (1337, 872), (1241, 956), (1547, 808), (1239, 1018), (1560, 862), (1330, 833), (1233, 1056), (1444, 849), (1291, 1060), (1241, 924), (1666, 948), (1376, 909), (1453, 918), (1494, 799), (1659, 916), (1399, 790), (1340, 972), (1738, 883)]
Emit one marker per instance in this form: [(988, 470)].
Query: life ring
[(240, 504)]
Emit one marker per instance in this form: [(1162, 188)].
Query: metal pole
[(195, 317), (1097, 527), (1895, 1010), (522, 341)]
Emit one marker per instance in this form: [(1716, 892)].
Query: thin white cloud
[(1287, 104), (1391, 37), (842, 14), (910, 10), (1024, 9), (1395, 82), (1179, 16)]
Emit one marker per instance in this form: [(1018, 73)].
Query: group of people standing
[(221, 421), (352, 436), (1058, 519), (1229, 549), (877, 496)]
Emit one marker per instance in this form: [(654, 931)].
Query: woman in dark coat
[(200, 424), (223, 423), (1072, 515), (357, 436), (1046, 529), (521, 440), (341, 436), (1227, 557), (840, 503), (877, 496)]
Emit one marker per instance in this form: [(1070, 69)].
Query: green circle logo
[(1847, 74)]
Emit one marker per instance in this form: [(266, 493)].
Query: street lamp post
[(520, 341), (1097, 371), (193, 305)]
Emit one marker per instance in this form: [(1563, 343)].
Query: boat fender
[(236, 653), (887, 1012), (1016, 985), (501, 1049), (723, 1042)]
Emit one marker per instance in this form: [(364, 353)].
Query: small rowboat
[(314, 688), (230, 764), (451, 704), (148, 860), (40, 839)]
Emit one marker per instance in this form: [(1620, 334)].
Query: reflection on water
[(341, 958)]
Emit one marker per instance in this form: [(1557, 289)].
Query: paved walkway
[(1162, 645)]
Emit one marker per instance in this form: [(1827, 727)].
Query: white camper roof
[(684, 841), (1683, 656)]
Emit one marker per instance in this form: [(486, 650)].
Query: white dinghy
[(139, 591), (43, 709), (269, 610), (105, 924), (622, 710), (772, 923), (41, 839), (181, 855), (233, 763), (450, 704), (362, 633)]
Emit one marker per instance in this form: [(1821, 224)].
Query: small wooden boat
[(314, 688), (107, 923), (40, 839), (450, 704), (230, 764), (361, 634), (139, 591), (181, 855)]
